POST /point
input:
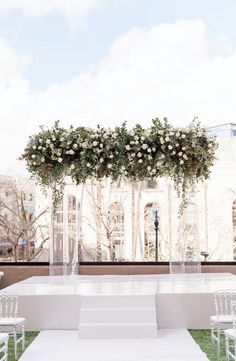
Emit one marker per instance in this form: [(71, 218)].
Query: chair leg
[(227, 347), (23, 337), (218, 340), (15, 341)]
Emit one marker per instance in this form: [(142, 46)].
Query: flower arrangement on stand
[(186, 155)]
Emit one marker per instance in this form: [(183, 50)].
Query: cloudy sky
[(106, 61)]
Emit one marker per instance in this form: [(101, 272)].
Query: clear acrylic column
[(185, 249), (66, 231)]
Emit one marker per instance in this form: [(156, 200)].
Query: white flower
[(84, 144), (44, 148), (54, 138), (162, 140), (95, 143), (40, 147), (60, 159), (170, 147), (34, 147), (127, 147), (183, 148), (109, 166), (88, 165), (72, 166), (75, 145), (183, 136), (111, 156), (144, 146), (154, 171), (149, 157), (139, 154), (101, 145), (48, 141), (177, 144), (185, 157), (101, 160), (42, 159), (132, 142), (149, 168), (149, 150), (167, 139), (34, 163), (153, 149), (33, 156), (162, 156), (62, 139), (209, 145), (142, 138), (160, 132), (41, 140), (181, 161), (174, 152), (140, 161), (136, 137), (180, 154)]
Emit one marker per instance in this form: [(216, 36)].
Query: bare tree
[(19, 225)]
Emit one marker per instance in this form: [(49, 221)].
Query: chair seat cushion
[(230, 332), (3, 336), (222, 319), (11, 321)]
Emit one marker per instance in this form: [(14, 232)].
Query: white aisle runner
[(171, 345)]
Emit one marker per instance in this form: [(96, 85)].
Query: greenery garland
[(186, 155)]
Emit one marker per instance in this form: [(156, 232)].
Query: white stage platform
[(171, 345), (181, 300)]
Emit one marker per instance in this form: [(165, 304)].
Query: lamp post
[(155, 218)]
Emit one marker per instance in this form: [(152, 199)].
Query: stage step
[(118, 316), (117, 330), (118, 301)]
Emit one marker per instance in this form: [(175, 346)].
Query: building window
[(150, 233), (234, 228), (116, 226)]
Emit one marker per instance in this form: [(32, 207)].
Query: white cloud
[(72, 9), (167, 70)]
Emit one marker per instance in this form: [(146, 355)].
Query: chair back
[(223, 301), (233, 313), (8, 306)]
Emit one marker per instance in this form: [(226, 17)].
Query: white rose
[(181, 161), (142, 138), (60, 159), (33, 156), (183, 136), (153, 149), (144, 146), (185, 156), (42, 159), (149, 168), (174, 152), (95, 143), (180, 154), (111, 156), (167, 139), (149, 150), (149, 157), (139, 154), (53, 138), (140, 161), (101, 145), (62, 139), (170, 147), (48, 141), (127, 147), (162, 156), (88, 165), (162, 140), (75, 146), (109, 166), (34, 147), (136, 137), (40, 147), (101, 160)]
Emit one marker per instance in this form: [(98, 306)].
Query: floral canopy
[(186, 155)]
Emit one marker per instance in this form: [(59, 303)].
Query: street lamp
[(155, 219)]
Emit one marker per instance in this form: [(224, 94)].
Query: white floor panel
[(171, 345)]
